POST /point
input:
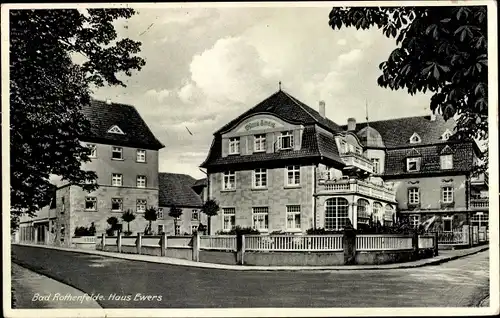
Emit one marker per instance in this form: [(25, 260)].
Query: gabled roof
[(200, 183), (103, 116), (177, 189), (288, 108), (396, 133)]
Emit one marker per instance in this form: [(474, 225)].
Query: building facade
[(282, 166)]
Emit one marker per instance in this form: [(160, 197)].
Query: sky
[(206, 66)]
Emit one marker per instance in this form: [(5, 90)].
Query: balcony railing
[(479, 203), (353, 159), (354, 186)]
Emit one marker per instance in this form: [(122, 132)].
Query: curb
[(251, 268)]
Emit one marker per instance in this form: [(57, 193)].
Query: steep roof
[(287, 107), (396, 133), (103, 116), (176, 189), (200, 183)]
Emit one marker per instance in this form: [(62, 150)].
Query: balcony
[(354, 186), (357, 161), (479, 204)]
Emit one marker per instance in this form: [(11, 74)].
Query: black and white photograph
[(255, 159)]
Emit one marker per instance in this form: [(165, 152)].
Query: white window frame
[(376, 165), (446, 162), (117, 200), (259, 143), (377, 210), (284, 136), (228, 218), (414, 220), (259, 178), (114, 150), (141, 181), (93, 200), (140, 155), (292, 172), (193, 213), (227, 177), (415, 139), (115, 130), (417, 161), (141, 205), (234, 146), (292, 212), (446, 135), (159, 214), (260, 218), (339, 209), (177, 229), (447, 194), (93, 150), (117, 179), (447, 218), (194, 228), (413, 198)]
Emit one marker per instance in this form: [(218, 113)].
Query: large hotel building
[(282, 166)]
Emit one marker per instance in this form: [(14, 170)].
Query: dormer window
[(413, 164), (285, 141), (446, 135), (234, 146), (116, 130), (415, 139)]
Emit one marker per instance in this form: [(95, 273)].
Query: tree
[(113, 224), (175, 213), (210, 208), (128, 216), (48, 90), (442, 50), (150, 215)]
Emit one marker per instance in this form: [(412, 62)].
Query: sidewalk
[(33, 290), (444, 256)]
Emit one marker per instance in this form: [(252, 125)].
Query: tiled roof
[(200, 182), (395, 159), (397, 132), (176, 189), (288, 108), (103, 116)]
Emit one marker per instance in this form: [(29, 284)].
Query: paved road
[(460, 283)]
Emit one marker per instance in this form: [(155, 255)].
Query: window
[(414, 220), (229, 180), (376, 165), (194, 215), (447, 223), (117, 153), (159, 214), (447, 162), (194, 228), (93, 150), (259, 143), (415, 139), (260, 178), (293, 217), (177, 229), (413, 196), (447, 194), (228, 218), (141, 206), (413, 164), (117, 179), (388, 215), (336, 213), (293, 175), (116, 130), (480, 219), (141, 181), (141, 155), (286, 140), (260, 218), (363, 211), (446, 135), (234, 146), (116, 204), (377, 212), (161, 228), (91, 204)]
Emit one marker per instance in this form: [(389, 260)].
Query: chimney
[(433, 116), (108, 101), (351, 124), (322, 108)]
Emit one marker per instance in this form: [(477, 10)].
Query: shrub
[(239, 230), (127, 233), (83, 231), (322, 231)]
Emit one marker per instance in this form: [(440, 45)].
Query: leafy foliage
[(112, 221), (442, 50), (210, 208), (151, 215), (128, 216), (175, 213), (48, 89), (238, 230), (83, 231)]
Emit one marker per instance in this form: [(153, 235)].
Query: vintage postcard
[(250, 159)]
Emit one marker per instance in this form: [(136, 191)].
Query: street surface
[(460, 283)]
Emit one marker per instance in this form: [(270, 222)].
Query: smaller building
[(186, 193)]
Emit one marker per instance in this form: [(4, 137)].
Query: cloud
[(160, 95), (342, 42), (351, 57)]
